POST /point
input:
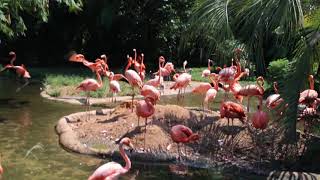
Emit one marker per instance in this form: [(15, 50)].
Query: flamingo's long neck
[(311, 83), (260, 83), (13, 59), (159, 80), (275, 88), (99, 79), (126, 159), (209, 65), (215, 85), (129, 64)]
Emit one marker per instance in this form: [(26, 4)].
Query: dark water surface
[(30, 148)]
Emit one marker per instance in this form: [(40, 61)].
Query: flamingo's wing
[(236, 108), (186, 130), (111, 169)]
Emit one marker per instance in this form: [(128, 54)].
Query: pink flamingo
[(156, 82), (274, 100), (112, 170), (231, 110), (252, 90), (211, 93), (182, 81), (114, 86), (91, 85), (80, 58), (207, 72), (166, 69), (260, 119), (182, 134), (150, 91), (142, 70), (133, 79), (308, 96), (145, 108)]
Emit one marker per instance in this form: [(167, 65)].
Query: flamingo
[(207, 72), (182, 81), (142, 69), (274, 100), (145, 108), (211, 93), (91, 85), (150, 91), (112, 170), (20, 70), (158, 80), (252, 90), (260, 119), (166, 70), (182, 134), (114, 86), (308, 96), (80, 58), (231, 110), (133, 79)]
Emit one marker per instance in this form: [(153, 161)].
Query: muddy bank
[(79, 100)]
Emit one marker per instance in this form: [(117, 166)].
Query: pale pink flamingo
[(150, 91), (158, 80), (89, 85), (260, 119), (145, 108), (274, 100), (182, 134), (142, 70), (182, 81), (207, 72), (211, 93), (308, 96), (112, 170), (114, 86), (133, 79), (252, 90)]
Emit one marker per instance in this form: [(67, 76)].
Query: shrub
[(278, 69)]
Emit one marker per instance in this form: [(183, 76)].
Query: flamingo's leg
[(248, 104), (132, 99), (145, 132)]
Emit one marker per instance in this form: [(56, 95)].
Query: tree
[(261, 25), (13, 14)]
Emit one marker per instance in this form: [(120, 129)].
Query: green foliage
[(12, 14), (278, 69)]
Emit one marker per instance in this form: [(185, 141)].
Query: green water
[(27, 121)]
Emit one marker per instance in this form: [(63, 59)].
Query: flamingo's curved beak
[(131, 147)]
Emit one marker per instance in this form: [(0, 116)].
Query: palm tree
[(259, 24)]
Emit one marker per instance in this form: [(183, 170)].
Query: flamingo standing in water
[(182, 81), (211, 93), (112, 170), (145, 108), (89, 85), (252, 90), (309, 96), (207, 72), (182, 134), (133, 79), (114, 86), (156, 82), (20, 70), (260, 119)]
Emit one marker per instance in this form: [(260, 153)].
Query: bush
[(278, 69)]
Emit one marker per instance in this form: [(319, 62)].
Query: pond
[(30, 148)]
